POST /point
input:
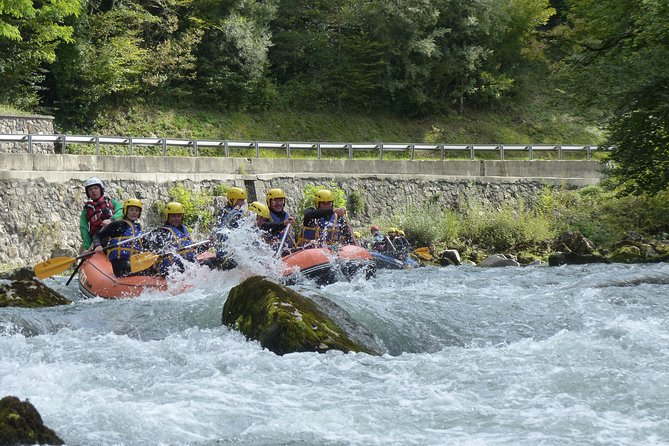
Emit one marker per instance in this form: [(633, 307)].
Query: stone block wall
[(40, 219), (34, 124)]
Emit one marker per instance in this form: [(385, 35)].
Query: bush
[(197, 206), (356, 205)]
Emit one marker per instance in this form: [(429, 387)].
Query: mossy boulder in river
[(20, 288), (20, 423), (284, 321)]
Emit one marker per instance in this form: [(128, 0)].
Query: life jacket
[(96, 212), (128, 249), (275, 218), (182, 240), (326, 231), (228, 217)]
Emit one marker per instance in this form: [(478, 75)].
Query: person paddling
[(279, 219), (98, 211), (118, 231), (173, 239), (325, 224)]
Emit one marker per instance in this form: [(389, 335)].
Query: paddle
[(57, 265), (144, 260), (283, 240)]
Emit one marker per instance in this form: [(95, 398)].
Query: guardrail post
[(288, 150), (97, 145), (195, 148), (64, 143), (257, 146), (530, 149), (164, 144), (559, 149), (471, 152), (225, 147), (501, 152), (130, 145), (588, 152), (350, 151), (380, 147), (413, 151), (442, 152), (30, 143), (318, 150)]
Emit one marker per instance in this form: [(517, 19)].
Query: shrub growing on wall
[(197, 206)]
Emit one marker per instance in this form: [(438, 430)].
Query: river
[(575, 355)]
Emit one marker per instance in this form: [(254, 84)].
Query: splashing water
[(512, 356)]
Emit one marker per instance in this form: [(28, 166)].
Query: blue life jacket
[(181, 242), (128, 249)]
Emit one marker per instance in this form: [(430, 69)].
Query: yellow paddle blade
[(142, 261), (423, 253), (53, 266)]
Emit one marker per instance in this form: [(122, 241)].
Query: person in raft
[(99, 210), (172, 240), (279, 219), (228, 217), (324, 224), (114, 236)]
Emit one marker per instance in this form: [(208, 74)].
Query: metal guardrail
[(227, 146)]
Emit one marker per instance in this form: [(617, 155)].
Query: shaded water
[(512, 356)]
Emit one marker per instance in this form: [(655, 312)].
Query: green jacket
[(83, 223)]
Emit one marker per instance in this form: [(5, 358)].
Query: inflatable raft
[(97, 279), (326, 265), (390, 262)]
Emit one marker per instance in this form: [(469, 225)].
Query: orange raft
[(327, 265), (97, 279)]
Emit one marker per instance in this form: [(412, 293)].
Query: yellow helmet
[(357, 234), (132, 202), (323, 196), (234, 194), (392, 231), (275, 193), (400, 232), (173, 207), (259, 208)]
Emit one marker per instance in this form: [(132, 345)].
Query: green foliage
[(220, 190), (356, 204), (310, 190), (425, 225), (604, 216), (512, 228), (30, 32), (615, 55), (197, 207)]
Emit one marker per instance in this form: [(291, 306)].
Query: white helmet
[(92, 181)]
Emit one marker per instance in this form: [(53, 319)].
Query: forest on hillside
[(410, 58)]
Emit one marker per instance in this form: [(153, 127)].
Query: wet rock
[(284, 321), (20, 288), (450, 257), (21, 424), (635, 248), (570, 258), (575, 242), (497, 260)]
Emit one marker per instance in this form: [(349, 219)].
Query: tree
[(30, 32), (616, 56)]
